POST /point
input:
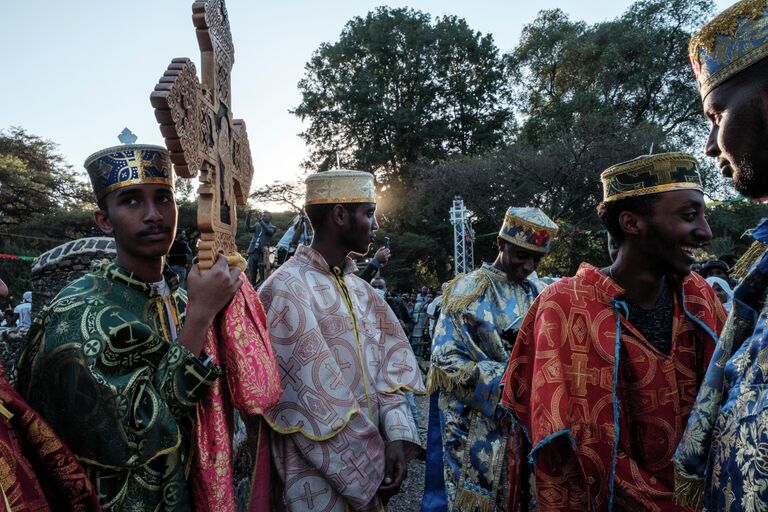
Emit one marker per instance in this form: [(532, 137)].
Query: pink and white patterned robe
[(345, 364)]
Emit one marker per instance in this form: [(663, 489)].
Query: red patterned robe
[(601, 435), (37, 472)]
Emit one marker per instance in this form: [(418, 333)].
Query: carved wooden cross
[(196, 120)]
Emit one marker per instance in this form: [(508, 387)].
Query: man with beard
[(342, 432), (480, 316), (115, 362), (721, 461), (607, 364)]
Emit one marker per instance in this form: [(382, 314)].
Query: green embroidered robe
[(100, 366)]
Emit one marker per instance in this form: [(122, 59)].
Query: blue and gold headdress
[(129, 164), (734, 40), (650, 174), (528, 228)]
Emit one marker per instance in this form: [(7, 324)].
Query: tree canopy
[(397, 89)]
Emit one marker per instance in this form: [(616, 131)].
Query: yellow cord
[(339, 280)]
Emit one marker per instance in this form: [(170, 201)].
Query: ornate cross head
[(196, 120)]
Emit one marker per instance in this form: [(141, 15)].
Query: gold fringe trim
[(726, 23), (689, 491), (459, 303), (749, 258), (439, 380), (236, 260), (470, 501)]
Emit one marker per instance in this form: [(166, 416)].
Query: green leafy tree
[(34, 179), (397, 89)]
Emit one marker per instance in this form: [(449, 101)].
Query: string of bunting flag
[(17, 257)]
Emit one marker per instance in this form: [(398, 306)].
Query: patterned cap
[(651, 174), (130, 164), (528, 228), (734, 40), (341, 186)]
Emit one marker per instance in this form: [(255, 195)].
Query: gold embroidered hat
[(651, 174), (528, 228), (129, 164), (340, 186), (734, 40)]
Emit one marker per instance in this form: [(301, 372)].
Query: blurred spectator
[(180, 257), (298, 233), (258, 249), (715, 268), (23, 312), (379, 259), (394, 302), (722, 290)]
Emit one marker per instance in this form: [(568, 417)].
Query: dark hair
[(609, 212), (102, 203), (316, 213)]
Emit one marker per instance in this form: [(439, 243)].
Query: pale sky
[(78, 71)]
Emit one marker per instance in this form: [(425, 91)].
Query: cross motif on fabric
[(578, 292), (336, 374), (580, 374), (322, 289), (377, 353), (281, 318), (384, 326), (196, 120), (398, 425), (343, 365), (402, 366), (353, 465), (668, 395), (309, 497)]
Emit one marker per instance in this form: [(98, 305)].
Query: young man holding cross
[(721, 461), (114, 363), (607, 364), (343, 431)]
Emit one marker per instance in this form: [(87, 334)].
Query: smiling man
[(607, 364), (481, 314), (343, 430), (114, 363), (721, 461)]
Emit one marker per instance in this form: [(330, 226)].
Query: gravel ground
[(409, 499)]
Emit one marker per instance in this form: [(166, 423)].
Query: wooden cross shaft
[(196, 121)]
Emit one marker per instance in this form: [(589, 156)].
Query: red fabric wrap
[(239, 342), (559, 385)]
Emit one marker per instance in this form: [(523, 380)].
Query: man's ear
[(339, 215), (102, 221), (500, 243), (632, 224)]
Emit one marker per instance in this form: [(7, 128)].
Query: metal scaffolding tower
[(463, 238)]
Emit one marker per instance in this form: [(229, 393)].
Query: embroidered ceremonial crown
[(734, 40), (528, 228), (129, 164), (340, 187), (650, 174)]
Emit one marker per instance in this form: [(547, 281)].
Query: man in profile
[(342, 432), (721, 461)]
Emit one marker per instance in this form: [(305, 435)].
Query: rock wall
[(61, 265)]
